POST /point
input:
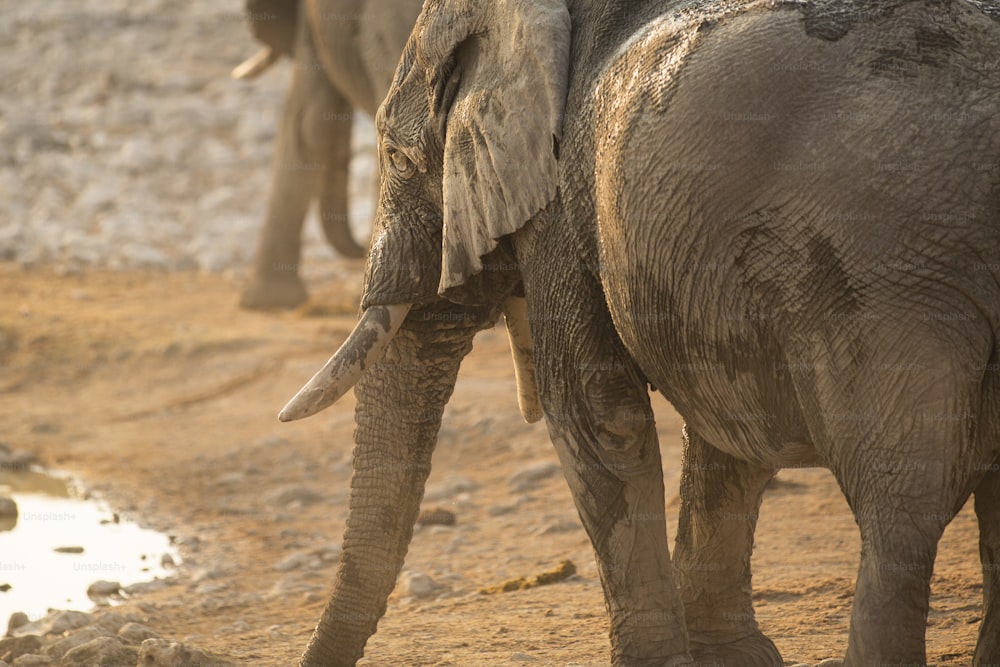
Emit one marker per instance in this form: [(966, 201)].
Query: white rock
[(419, 585)]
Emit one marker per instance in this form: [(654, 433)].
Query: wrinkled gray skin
[(345, 52), (786, 219)]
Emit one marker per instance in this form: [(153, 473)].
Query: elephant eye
[(402, 164)]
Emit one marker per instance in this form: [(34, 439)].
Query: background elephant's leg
[(720, 500), (275, 281), (988, 513), (334, 140), (597, 409)]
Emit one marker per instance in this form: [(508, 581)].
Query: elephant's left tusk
[(364, 347), (256, 64), (515, 313)]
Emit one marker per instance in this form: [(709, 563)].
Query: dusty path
[(158, 393)]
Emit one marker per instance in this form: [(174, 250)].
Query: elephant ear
[(498, 77)]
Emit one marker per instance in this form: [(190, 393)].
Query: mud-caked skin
[(784, 216), (345, 52)]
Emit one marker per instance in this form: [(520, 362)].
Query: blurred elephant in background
[(345, 52)]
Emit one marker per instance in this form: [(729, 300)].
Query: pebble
[(103, 588), (12, 648), (16, 620), (419, 585), (296, 495), (100, 651), (530, 476), (8, 508), (34, 660), (136, 633), (55, 622), (167, 653), (295, 562), (144, 587), (453, 485)]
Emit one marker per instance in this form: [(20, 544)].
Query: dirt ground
[(154, 390)]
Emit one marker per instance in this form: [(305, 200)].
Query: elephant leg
[(313, 148), (597, 408), (988, 513), (720, 500), (905, 459)]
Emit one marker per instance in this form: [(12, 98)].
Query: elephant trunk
[(400, 403)]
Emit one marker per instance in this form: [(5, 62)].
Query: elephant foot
[(272, 293), (755, 650)]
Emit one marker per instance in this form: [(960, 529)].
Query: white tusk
[(256, 64), (515, 314), (363, 348)]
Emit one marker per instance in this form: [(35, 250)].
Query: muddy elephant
[(345, 52), (784, 217)]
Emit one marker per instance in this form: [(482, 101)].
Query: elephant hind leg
[(988, 513), (720, 501)]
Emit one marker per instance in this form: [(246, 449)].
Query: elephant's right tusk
[(256, 64), (515, 313), (360, 351)]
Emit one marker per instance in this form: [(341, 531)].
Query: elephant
[(345, 52), (784, 217)]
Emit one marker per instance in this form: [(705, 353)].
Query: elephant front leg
[(597, 409), (617, 485), (720, 501)]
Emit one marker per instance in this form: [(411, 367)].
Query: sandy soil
[(157, 392)]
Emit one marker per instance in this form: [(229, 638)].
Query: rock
[(34, 660), (291, 585), (504, 509), (529, 477), (12, 648), (8, 508), (558, 526), (112, 621), (61, 647), (103, 589), (522, 657), (56, 622), (68, 550), (452, 485), (300, 495), (136, 633), (329, 553), (16, 620), (167, 653), (420, 585), (436, 517), (210, 588), (144, 587), (100, 651), (296, 561), (166, 560)]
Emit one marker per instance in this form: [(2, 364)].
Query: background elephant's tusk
[(515, 313), (363, 347), (256, 64)]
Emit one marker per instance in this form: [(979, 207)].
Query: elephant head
[(468, 145)]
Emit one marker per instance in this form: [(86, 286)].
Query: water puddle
[(60, 543)]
